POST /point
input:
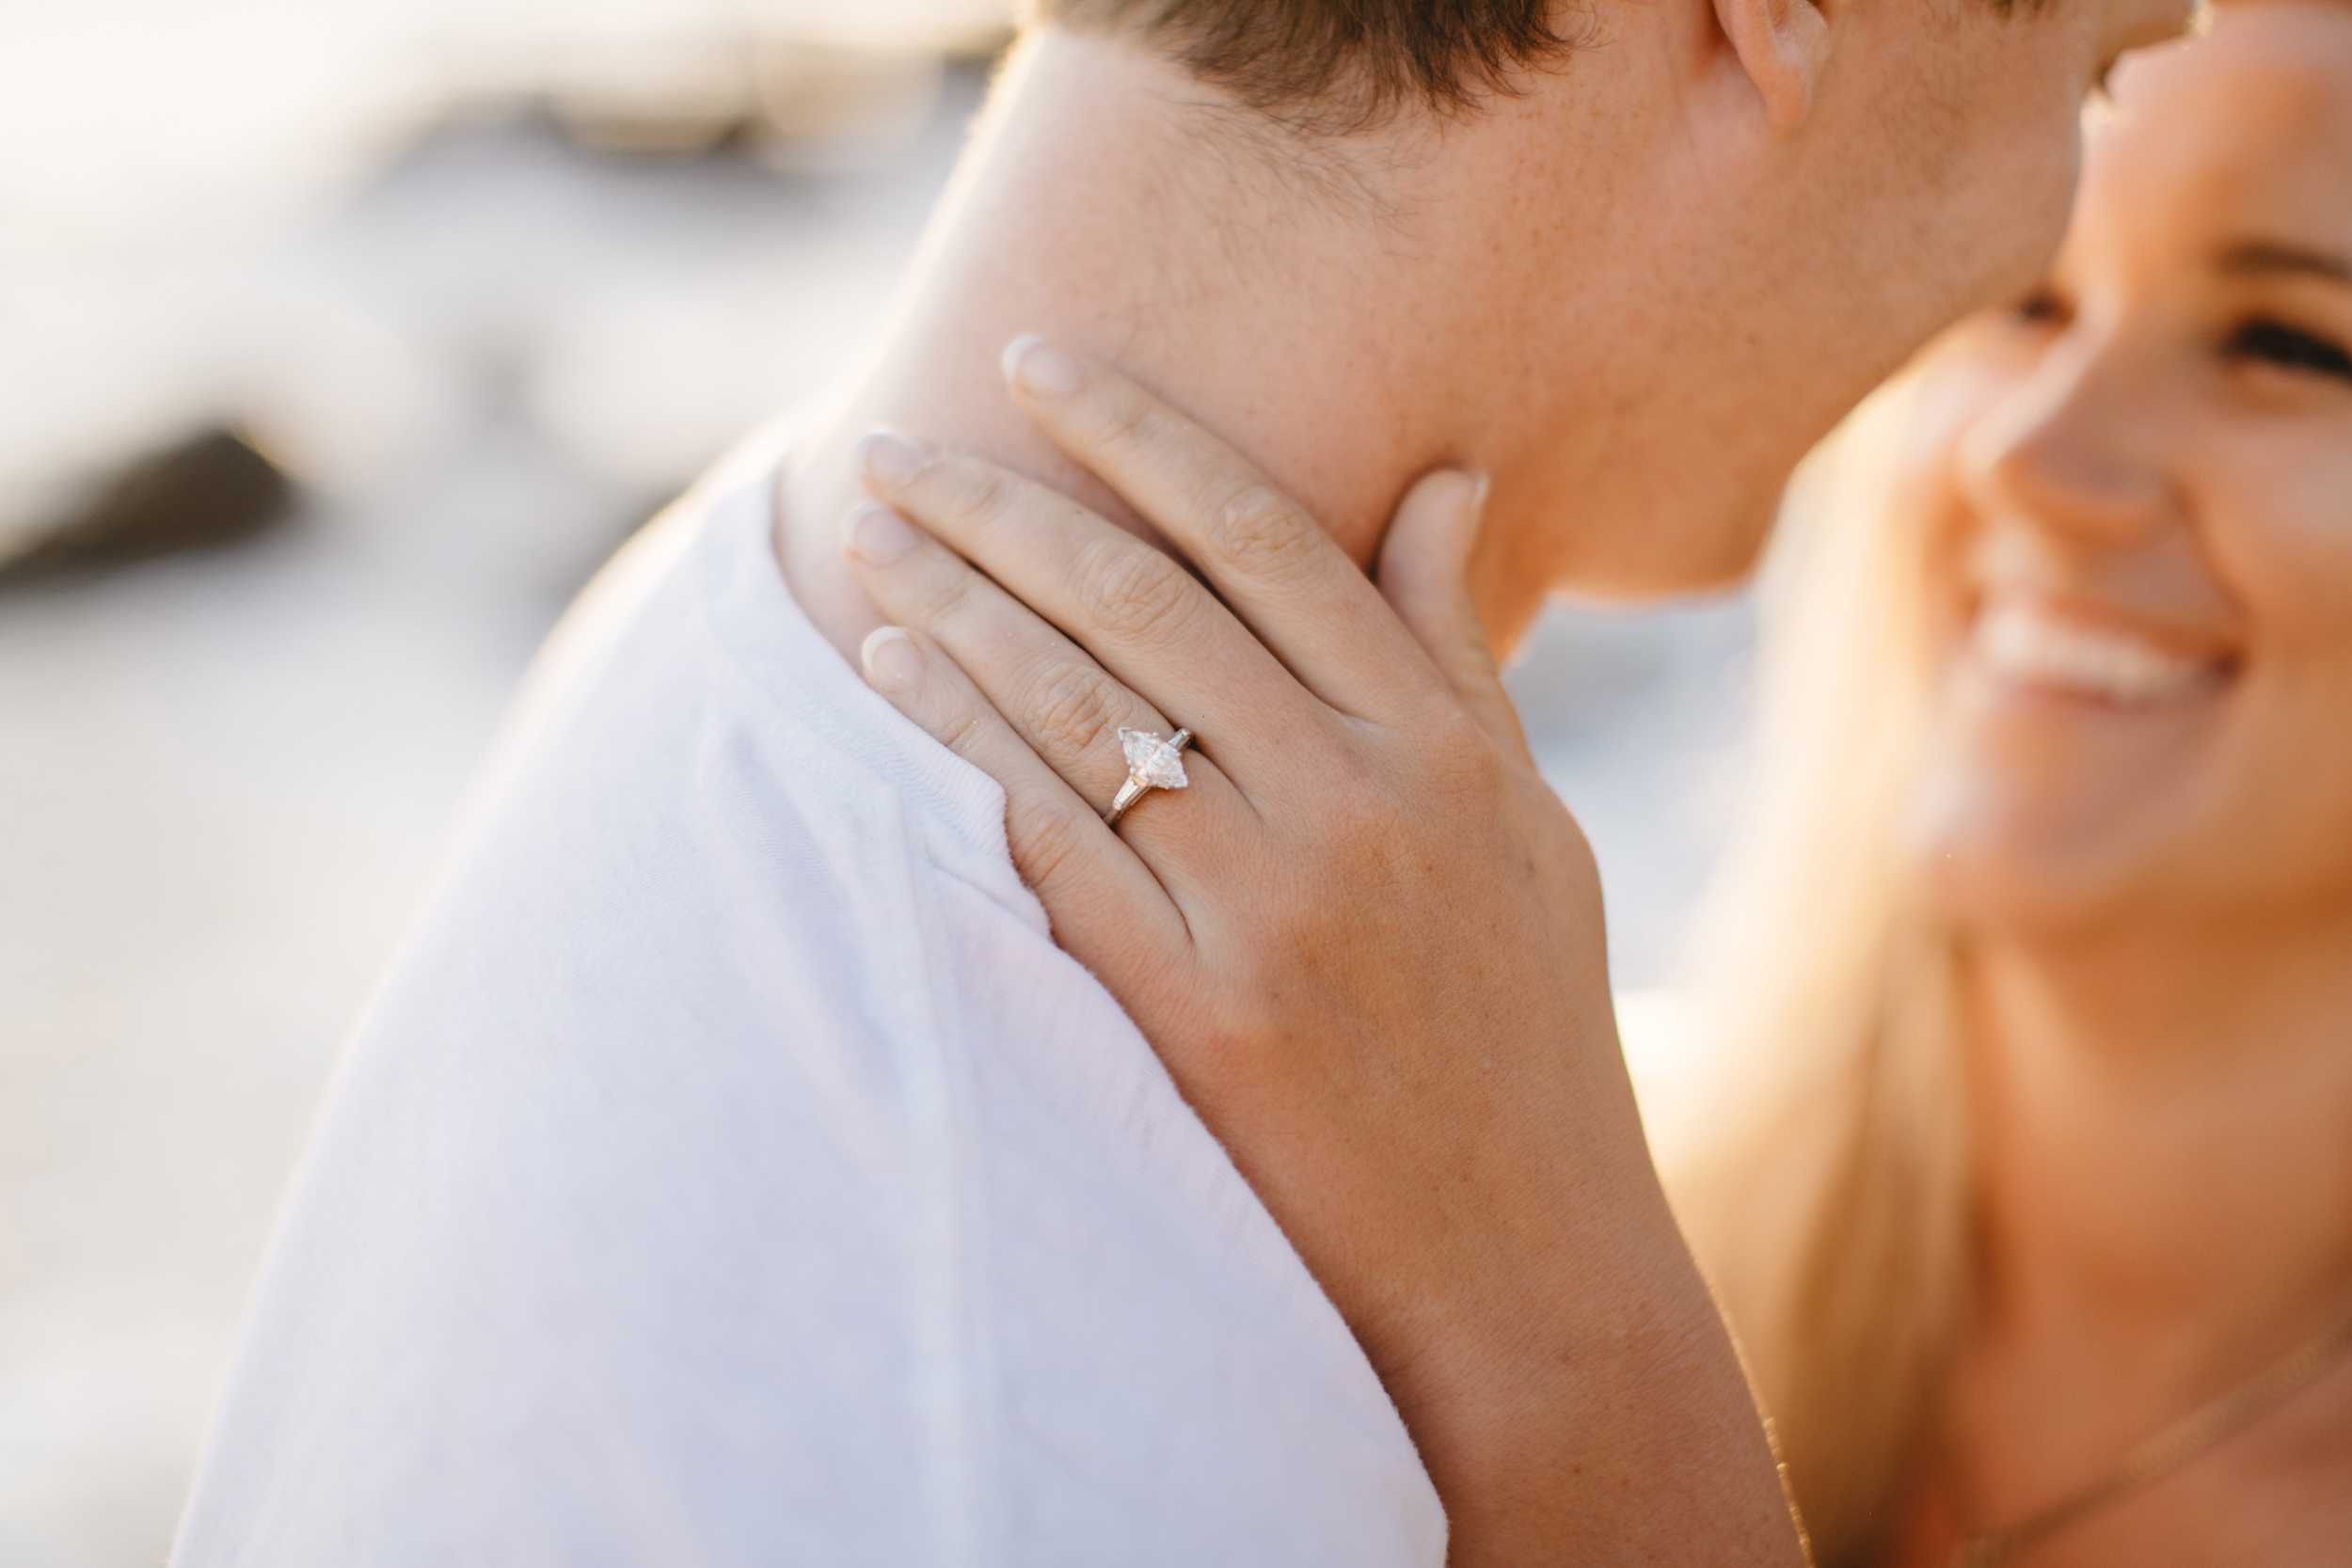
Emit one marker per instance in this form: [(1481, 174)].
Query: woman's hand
[(1366, 939)]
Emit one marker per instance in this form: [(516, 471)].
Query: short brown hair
[(1336, 64)]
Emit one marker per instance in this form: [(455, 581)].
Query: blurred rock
[(208, 491)]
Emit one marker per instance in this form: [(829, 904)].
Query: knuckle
[(985, 495), (1459, 760), (1130, 419), (1448, 737), (1257, 530), (958, 729), (941, 595), (1130, 591), (1070, 712), (1043, 835)]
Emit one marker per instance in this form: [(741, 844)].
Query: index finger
[(1273, 564)]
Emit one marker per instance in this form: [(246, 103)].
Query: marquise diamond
[(1152, 760)]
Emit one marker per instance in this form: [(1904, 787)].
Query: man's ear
[(1784, 45)]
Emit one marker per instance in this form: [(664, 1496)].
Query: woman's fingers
[(1138, 611), (1424, 575), (1056, 701), (1093, 887), (1272, 562)]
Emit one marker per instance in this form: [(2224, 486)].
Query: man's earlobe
[(1784, 45)]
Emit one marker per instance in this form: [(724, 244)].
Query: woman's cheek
[(2279, 534), (2279, 538)]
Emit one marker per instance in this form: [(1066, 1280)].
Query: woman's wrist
[(1591, 1406)]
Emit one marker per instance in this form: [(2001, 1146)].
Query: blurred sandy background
[(338, 345)]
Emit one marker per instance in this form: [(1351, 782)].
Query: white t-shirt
[(733, 1171)]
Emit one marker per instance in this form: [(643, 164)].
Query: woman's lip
[(2025, 641)]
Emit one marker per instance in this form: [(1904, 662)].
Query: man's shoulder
[(686, 708), (720, 1154), (702, 812)]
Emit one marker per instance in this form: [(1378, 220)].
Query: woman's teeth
[(2020, 641)]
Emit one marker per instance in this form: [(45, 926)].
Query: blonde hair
[(1826, 1191)]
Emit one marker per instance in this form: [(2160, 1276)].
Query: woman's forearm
[(1603, 1419)]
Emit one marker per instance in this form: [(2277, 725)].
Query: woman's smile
[(2136, 491), (2035, 646)]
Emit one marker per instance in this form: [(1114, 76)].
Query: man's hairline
[(1351, 110)]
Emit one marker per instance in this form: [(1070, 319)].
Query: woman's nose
[(2074, 448)]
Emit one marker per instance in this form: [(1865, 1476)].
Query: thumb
[(1423, 572)]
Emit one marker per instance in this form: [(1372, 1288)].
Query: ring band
[(1152, 764)]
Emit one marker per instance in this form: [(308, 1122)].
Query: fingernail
[(1478, 494), (877, 535), (1039, 368), (893, 662), (891, 459)]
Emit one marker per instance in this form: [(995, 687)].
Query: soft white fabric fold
[(732, 1171)]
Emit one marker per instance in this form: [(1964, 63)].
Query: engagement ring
[(1152, 764)]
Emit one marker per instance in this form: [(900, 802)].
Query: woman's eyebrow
[(2276, 256)]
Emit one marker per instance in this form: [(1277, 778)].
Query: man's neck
[(1298, 300)]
